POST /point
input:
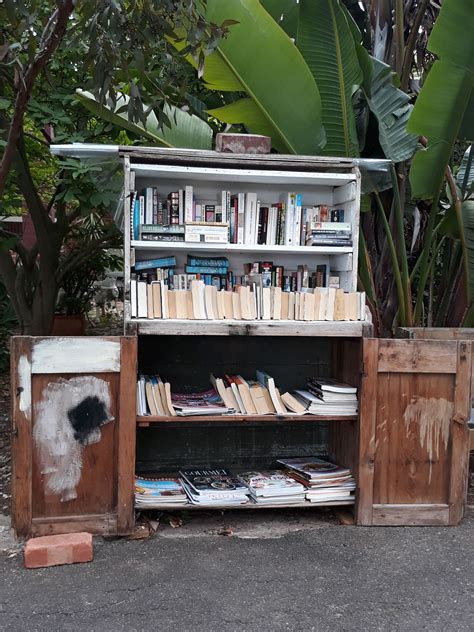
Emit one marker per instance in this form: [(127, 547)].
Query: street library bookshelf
[(218, 247)]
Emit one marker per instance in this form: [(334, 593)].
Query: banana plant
[(442, 111), (259, 60), (184, 130)]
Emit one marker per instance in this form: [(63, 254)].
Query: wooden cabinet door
[(73, 434), (413, 437)]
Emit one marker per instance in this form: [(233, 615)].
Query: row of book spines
[(205, 302), (232, 390)]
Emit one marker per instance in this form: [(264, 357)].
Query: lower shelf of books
[(145, 420), (250, 505)]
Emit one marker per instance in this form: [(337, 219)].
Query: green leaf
[(461, 174), (285, 13), (392, 110), (468, 222), (442, 103), (186, 130), (259, 59), (325, 40), (466, 130)]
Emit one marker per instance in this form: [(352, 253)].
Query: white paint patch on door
[(430, 420), (24, 382), (76, 355), (59, 452)]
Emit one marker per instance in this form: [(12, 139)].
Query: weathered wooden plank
[(367, 422), (213, 158), (74, 462), (176, 327), (409, 356), (75, 355), (410, 515), (460, 435), (414, 417), (126, 436), (20, 362), (237, 419), (437, 333), (303, 505), (99, 524)]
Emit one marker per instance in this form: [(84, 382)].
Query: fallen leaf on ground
[(226, 531), (154, 524), (175, 521), (141, 532)]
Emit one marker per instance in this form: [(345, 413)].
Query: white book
[(164, 300), (142, 302), (323, 304), (362, 305), (266, 302), (241, 218), (290, 216), (141, 200), (225, 202), (331, 302), (250, 218), (256, 222), (133, 297), (148, 205), (188, 204), (297, 220)]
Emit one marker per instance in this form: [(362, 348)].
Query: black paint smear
[(86, 417)]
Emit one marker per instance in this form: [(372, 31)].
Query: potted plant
[(79, 285)]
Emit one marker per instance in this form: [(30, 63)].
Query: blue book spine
[(166, 262), (136, 220), (208, 263), (205, 270)]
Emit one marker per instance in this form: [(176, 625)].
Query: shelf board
[(180, 327), (241, 248), (303, 505), (146, 420), (228, 175)]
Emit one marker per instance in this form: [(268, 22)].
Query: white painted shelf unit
[(331, 181)]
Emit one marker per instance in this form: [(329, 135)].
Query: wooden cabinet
[(74, 399), (73, 435)]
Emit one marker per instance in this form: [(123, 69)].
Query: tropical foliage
[(47, 50)]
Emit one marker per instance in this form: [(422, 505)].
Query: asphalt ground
[(277, 571)]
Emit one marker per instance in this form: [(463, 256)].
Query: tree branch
[(26, 82)]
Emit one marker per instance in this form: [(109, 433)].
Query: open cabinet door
[(73, 434), (413, 443)]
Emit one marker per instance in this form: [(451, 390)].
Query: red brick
[(243, 143), (52, 550)]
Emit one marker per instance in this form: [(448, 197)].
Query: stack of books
[(325, 481), (325, 396), (162, 492), (273, 487), (239, 218), (215, 486)]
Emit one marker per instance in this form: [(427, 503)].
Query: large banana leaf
[(259, 59), (285, 13), (392, 109), (185, 130), (465, 180), (325, 40), (442, 103)]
